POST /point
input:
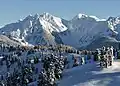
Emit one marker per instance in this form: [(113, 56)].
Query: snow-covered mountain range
[(46, 29)]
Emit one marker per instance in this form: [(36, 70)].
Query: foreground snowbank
[(92, 75)]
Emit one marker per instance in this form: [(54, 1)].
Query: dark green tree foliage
[(52, 70), (118, 54)]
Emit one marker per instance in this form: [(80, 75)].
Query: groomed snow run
[(92, 75)]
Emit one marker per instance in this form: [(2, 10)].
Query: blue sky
[(13, 10)]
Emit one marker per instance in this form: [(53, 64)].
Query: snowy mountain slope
[(35, 29), (92, 75), (84, 29), (46, 29), (103, 41), (6, 40)]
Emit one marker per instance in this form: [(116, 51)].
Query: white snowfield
[(92, 75)]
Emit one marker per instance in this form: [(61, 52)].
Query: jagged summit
[(36, 16), (46, 14)]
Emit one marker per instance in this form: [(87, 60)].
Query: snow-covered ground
[(92, 75), (89, 74)]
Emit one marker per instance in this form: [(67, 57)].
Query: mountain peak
[(80, 15), (46, 15), (83, 16), (36, 16), (29, 17)]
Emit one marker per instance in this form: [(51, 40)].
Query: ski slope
[(92, 75)]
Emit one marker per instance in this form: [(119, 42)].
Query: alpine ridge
[(80, 32)]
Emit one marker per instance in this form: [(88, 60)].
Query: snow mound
[(92, 75)]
